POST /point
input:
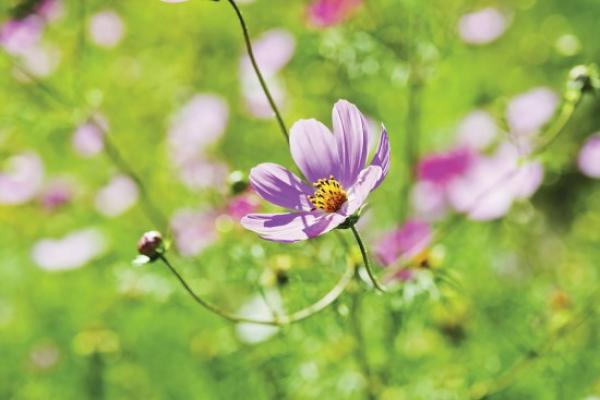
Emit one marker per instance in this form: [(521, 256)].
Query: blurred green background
[(525, 286)]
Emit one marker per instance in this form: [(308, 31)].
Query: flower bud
[(151, 245), (584, 78), (237, 182)]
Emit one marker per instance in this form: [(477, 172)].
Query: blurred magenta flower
[(442, 168), (55, 194), (118, 196), (482, 27), (242, 204), (194, 230), (273, 50), (477, 130), (73, 251), (88, 139), (589, 157), (106, 28), (21, 178), (489, 188), (402, 247), (528, 112), (18, 35), (324, 13), (334, 164)]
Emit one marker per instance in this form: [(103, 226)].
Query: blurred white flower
[(530, 111), (71, 252), (39, 60), (21, 178), (106, 28), (258, 309), (589, 157), (193, 230), (483, 26), (56, 193), (477, 130), (118, 196), (88, 139)]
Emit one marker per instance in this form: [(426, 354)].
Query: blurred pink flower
[(489, 188), (88, 139), (199, 123), (589, 157), (403, 243), (51, 10), (442, 168), (530, 111), (429, 200), (482, 27), (56, 193), (324, 13), (72, 251), (18, 35), (118, 196), (274, 49), (21, 178), (243, 204), (193, 230), (39, 60), (202, 173), (477, 130), (106, 28)]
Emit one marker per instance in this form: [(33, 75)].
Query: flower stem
[(261, 79), (360, 349), (365, 256), (300, 315)]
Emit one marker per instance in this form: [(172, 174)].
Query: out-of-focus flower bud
[(237, 182), (151, 245), (584, 78)]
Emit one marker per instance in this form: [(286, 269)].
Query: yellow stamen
[(329, 195)]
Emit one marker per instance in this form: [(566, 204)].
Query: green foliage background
[(132, 333)]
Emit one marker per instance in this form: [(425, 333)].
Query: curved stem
[(559, 124), (261, 79), (300, 315), (365, 256)]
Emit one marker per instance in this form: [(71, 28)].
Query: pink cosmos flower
[(333, 164), (73, 251), (21, 179), (482, 27), (589, 157), (106, 29), (324, 13), (242, 204), (118, 196), (442, 168)]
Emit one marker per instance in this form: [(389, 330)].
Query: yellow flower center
[(329, 195)]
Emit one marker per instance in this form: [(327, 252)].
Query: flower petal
[(382, 155), (313, 149), (292, 227), (365, 183), (280, 186), (351, 133)]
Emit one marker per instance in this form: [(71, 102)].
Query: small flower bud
[(237, 182), (584, 78), (151, 245)]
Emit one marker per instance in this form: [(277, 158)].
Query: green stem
[(300, 315), (559, 124), (365, 257), (359, 351), (261, 79)]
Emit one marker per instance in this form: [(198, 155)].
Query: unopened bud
[(151, 245), (584, 78), (237, 182)]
